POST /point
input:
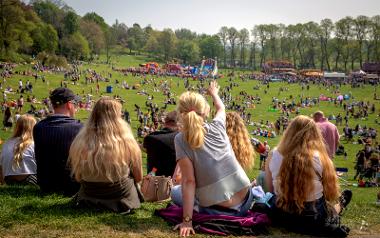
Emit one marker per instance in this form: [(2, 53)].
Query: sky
[(208, 16)]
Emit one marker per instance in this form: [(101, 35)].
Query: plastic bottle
[(153, 172)]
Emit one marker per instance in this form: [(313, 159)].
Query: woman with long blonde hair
[(301, 175), (17, 162), (106, 159), (239, 138), (212, 178)]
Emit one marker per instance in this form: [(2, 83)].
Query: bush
[(52, 60)]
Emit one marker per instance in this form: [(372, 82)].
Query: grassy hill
[(25, 214)]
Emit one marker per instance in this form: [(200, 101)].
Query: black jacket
[(52, 139), (160, 151)]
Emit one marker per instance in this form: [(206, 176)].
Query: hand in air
[(213, 89), (185, 229)]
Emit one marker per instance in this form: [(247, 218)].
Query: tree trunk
[(224, 55), (322, 55), (360, 53), (337, 60)]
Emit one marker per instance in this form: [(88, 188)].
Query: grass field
[(23, 213)]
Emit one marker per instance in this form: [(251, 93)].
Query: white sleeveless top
[(275, 165)]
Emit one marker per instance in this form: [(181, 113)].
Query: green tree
[(167, 41), (188, 51), (210, 46), (223, 35), (93, 34), (152, 45), (233, 36), (110, 41), (15, 28), (136, 38), (343, 34), (374, 34), (361, 27), (75, 46), (260, 32), (243, 40), (185, 34), (45, 38), (71, 23), (50, 13), (92, 16), (326, 27)]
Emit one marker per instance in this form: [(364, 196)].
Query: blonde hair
[(240, 141), (24, 131), (297, 146), (105, 146), (192, 108)]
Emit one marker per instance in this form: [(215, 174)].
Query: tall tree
[(188, 51), (167, 41), (136, 38), (375, 37), (325, 28), (14, 28), (75, 46), (185, 34), (243, 40), (233, 36), (273, 31), (260, 33), (71, 23), (210, 46), (152, 45), (223, 35), (344, 33), (94, 35), (361, 27)]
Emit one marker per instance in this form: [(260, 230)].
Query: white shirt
[(275, 165), (27, 165)]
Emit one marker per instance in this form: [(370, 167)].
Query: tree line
[(52, 27)]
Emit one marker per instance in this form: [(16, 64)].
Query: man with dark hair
[(159, 146), (52, 138), (329, 132)]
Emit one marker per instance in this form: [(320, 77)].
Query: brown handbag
[(156, 188)]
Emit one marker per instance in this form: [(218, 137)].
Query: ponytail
[(193, 129)]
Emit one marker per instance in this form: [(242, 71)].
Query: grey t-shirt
[(28, 164), (217, 173)]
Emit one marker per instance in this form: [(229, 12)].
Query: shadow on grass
[(18, 191), (26, 205)]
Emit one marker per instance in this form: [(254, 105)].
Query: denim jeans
[(176, 196)]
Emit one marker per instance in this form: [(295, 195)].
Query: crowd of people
[(207, 151), (100, 162)]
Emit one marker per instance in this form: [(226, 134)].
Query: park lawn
[(25, 214)]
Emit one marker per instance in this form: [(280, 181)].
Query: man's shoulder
[(163, 132), (55, 121)]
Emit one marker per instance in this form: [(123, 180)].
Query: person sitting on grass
[(212, 178), (240, 140), (106, 159), (17, 162), (159, 146), (53, 137), (301, 175)]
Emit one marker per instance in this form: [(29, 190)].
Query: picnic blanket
[(253, 224)]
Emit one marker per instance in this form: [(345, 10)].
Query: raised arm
[(213, 91)]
